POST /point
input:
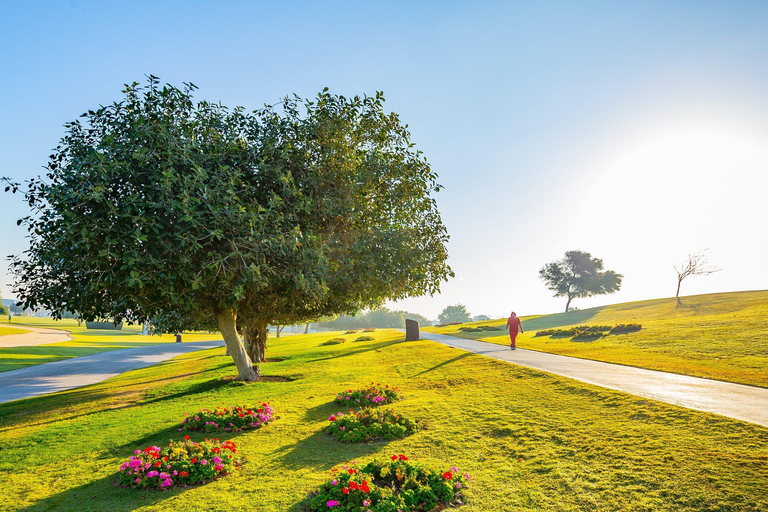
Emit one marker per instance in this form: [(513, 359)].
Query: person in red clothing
[(514, 325)]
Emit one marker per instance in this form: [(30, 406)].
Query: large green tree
[(454, 313), (193, 215), (578, 274)]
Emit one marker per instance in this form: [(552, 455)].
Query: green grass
[(532, 441), (84, 342), (720, 336), (10, 330)]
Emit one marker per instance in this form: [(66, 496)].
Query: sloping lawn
[(10, 330), (84, 342), (720, 336), (532, 441)]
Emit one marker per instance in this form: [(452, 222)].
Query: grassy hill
[(531, 441), (720, 336)]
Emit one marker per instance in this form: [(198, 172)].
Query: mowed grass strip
[(532, 441), (4, 331), (721, 336), (84, 342)]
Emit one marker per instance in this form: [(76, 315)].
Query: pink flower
[(137, 481), (166, 482), (203, 462), (334, 481), (152, 474), (216, 460), (332, 503), (366, 503)]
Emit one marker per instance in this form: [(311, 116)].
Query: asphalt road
[(745, 403), (85, 370)]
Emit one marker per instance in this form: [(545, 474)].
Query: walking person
[(514, 325)]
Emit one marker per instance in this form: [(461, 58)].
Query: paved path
[(85, 370), (746, 403), (38, 336)]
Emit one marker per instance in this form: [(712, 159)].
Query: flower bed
[(370, 396), (351, 331), (369, 425), (180, 463), (622, 328), (390, 486), (364, 338), (334, 341), (481, 328), (370, 329), (230, 419), (589, 332)]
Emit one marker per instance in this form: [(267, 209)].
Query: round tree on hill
[(192, 215), (578, 274), (454, 313)]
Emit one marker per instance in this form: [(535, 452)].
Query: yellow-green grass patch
[(4, 331), (720, 336), (531, 440)]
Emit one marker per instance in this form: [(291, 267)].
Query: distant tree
[(695, 265), (454, 313), (381, 318), (192, 215), (480, 318), (578, 274)]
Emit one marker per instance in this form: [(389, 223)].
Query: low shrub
[(370, 329), (369, 425), (449, 323), (481, 328), (364, 338), (353, 331), (334, 341), (369, 396), (180, 463), (587, 336), (230, 419), (622, 328), (390, 486)]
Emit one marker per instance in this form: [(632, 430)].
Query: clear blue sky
[(637, 131)]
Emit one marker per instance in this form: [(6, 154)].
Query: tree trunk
[(278, 330), (306, 329), (568, 304), (226, 321), (679, 282), (261, 328)]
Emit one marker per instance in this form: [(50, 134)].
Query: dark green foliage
[(481, 328), (364, 338), (334, 341), (588, 332), (370, 424), (622, 328), (161, 208), (578, 274)]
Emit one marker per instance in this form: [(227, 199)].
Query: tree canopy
[(191, 214), (454, 313), (578, 274)]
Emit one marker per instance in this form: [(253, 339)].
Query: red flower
[(165, 459), (193, 461), (364, 487), (186, 438), (394, 457), (345, 490), (241, 415), (353, 485), (447, 475), (216, 449), (402, 457), (183, 473), (158, 464)]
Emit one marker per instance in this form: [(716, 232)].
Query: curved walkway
[(38, 336), (745, 403), (85, 370)]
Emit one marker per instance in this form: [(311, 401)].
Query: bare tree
[(696, 265)]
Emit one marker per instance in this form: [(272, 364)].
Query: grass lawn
[(532, 441), (84, 342), (720, 336), (10, 330)]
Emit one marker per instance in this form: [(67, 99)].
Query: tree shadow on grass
[(355, 352), (561, 319), (320, 452), (101, 495), (449, 361)]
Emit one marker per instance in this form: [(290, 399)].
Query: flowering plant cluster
[(369, 396), (334, 341), (365, 338), (180, 463), (230, 419), (370, 424), (587, 332), (391, 485), (370, 329)]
